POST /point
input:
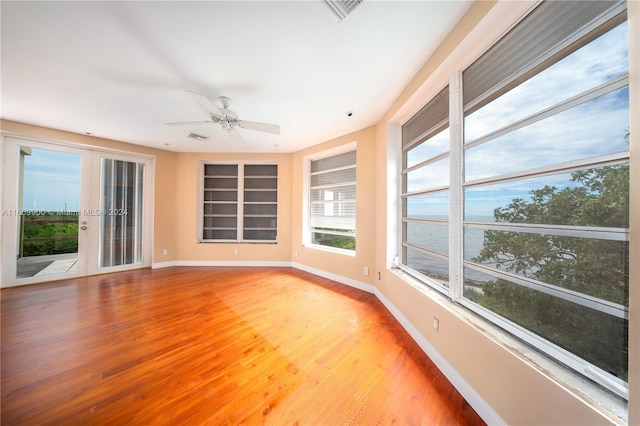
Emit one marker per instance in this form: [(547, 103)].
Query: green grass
[(50, 233)]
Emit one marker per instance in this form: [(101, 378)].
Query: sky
[(51, 181)]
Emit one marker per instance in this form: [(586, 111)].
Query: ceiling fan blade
[(259, 127), (205, 103), (236, 137), (188, 123)]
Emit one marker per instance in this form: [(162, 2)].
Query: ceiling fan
[(226, 118)]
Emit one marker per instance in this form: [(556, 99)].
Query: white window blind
[(332, 197), (545, 33), (435, 113)]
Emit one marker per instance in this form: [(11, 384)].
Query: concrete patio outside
[(33, 266)]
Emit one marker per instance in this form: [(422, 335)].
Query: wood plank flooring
[(214, 346)]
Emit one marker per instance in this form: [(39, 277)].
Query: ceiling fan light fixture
[(225, 101), (342, 8)]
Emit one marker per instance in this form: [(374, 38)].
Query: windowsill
[(601, 400), (331, 249)]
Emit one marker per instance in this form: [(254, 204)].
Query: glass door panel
[(47, 212), (121, 215)]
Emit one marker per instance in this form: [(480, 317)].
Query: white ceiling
[(121, 69)]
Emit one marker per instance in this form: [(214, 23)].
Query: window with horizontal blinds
[(260, 212), (332, 201), (425, 192), (546, 32), (220, 202), (239, 203), (545, 185)]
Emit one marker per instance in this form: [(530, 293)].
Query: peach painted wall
[(351, 267), (186, 204)]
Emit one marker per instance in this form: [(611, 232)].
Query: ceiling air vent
[(341, 8), (197, 137)]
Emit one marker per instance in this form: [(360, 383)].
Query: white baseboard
[(253, 263), (481, 407), (338, 278), (158, 265)]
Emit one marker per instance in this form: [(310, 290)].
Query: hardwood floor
[(195, 345)]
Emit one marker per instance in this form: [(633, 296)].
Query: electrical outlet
[(436, 323), (295, 253), (366, 270), (165, 252), (235, 252), (379, 276)]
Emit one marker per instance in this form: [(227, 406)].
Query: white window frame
[(240, 201), (306, 197)]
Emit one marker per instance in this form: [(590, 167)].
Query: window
[(239, 203), (425, 192), (331, 194), (538, 225)]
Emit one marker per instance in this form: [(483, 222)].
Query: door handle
[(84, 228)]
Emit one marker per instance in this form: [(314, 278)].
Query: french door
[(69, 212)]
